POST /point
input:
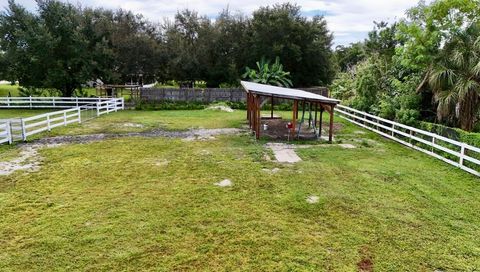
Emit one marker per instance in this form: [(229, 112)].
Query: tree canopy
[(63, 46), (424, 67)]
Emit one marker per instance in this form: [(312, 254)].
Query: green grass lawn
[(150, 204), (137, 121), (12, 113)]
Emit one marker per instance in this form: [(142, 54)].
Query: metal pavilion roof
[(268, 90)]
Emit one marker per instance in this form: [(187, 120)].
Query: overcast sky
[(349, 20)]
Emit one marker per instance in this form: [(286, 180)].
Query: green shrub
[(184, 105), (170, 105)]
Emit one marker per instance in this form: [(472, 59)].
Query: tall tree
[(304, 46), (348, 56), (224, 48), (46, 50), (183, 45), (455, 78), (21, 45), (65, 57)]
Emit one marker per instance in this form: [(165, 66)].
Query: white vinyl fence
[(22, 128), (49, 102), (456, 153), (5, 136), (108, 106), (47, 121)]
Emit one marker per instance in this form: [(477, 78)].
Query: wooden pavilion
[(113, 90), (318, 103)]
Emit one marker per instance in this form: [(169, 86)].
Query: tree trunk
[(468, 111)]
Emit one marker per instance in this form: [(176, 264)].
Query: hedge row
[(471, 138)]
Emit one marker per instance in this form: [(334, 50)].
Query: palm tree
[(269, 74), (455, 79)]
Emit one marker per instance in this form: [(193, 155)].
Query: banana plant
[(269, 74)]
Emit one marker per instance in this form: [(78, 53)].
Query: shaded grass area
[(150, 204), (13, 113)]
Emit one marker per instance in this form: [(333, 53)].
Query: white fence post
[(462, 154), (24, 129), (48, 123), (79, 115), (64, 118), (98, 109), (9, 132), (433, 144), (30, 99)]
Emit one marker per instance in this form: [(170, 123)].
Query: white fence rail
[(22, 128), (47, 121), (5, 134), (456, 153), (108, 106), (49, 102)]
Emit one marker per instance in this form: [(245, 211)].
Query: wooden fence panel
[(207, 95)]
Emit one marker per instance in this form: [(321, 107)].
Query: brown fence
[(207, 95)]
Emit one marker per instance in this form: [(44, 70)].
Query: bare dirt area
[(28, 160), (192, 134), (277, 129)]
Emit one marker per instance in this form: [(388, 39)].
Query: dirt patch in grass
[(28, 160), (192, 134), (220, 108), (366, 263), (133, 125), (277, 129)]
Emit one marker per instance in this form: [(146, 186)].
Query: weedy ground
[(138, 203)]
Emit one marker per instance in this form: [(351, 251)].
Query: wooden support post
[(258, 117), (320, 122), (330, 131), (271, 110), (254, 114), (294, 118), (296, 110), (310, 118), (248, 108)]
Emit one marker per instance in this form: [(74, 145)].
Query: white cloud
[(349, 20)]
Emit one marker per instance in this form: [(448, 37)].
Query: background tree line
[(62, 46), (425, 67)]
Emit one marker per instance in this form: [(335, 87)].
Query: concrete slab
[(313, 199), (224, 183), (284, 153), (348, 146)]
